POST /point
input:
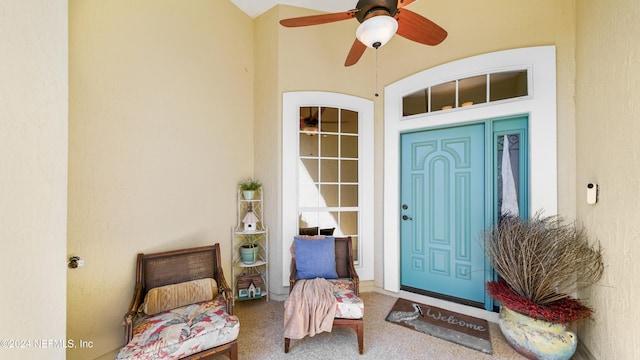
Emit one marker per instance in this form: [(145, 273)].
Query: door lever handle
[(405, 217)]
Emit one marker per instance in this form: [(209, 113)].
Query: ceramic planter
[(249, 255), (537, 339), (248, 194)]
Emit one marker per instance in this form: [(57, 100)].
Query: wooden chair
[(346, 273), (175, 267)]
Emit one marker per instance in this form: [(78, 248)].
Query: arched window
[(327, 172)]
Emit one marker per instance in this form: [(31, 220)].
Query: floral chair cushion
[(177, 333), (349, 305)]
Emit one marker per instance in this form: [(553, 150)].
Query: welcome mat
[(461, 329)]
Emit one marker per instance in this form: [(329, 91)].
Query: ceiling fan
[(379, 21)]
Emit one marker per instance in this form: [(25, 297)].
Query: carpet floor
[(261, 337)]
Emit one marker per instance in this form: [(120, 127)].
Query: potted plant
[(249, 187), (541, 262), (249, 250)]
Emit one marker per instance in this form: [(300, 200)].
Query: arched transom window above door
[(467, 91)]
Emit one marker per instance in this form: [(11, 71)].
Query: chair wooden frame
[(345, 269), (172, 267)]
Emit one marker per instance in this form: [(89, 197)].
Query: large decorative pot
[(537, 339)]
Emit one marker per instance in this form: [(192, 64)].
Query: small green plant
[(250, 240), (250, 185)]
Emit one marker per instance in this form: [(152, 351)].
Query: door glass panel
[(508, 165)]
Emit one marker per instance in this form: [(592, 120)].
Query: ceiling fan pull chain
[(376, 72)]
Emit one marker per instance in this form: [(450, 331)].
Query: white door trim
[(540, 105)]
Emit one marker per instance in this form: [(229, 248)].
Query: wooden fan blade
[(357, 49), (419, 29), (318, 19), (403, 3)]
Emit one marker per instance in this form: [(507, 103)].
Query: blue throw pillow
[(315, 258)]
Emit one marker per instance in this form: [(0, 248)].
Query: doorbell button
[(592, 193)]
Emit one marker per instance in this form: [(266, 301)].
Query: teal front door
[(443, 213)]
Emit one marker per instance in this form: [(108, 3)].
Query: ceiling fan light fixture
[(377, 30)]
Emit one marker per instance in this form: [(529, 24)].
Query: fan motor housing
[(367, 7)]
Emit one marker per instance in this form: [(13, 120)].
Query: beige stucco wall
[(607, 113), (312, 58), (33, 177), (268, 133), (160, 132)]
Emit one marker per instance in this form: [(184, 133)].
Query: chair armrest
[(355, 278), (225, 290), (130, 316), (292, 275)]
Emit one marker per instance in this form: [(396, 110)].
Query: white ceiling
[(256, 7)]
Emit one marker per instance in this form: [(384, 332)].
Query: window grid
[(336, 179)]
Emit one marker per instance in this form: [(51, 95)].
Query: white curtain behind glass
[(509, 191)]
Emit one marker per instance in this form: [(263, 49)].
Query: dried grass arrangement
[(541, 262)]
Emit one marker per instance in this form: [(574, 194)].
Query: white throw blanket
[(309, 309)]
